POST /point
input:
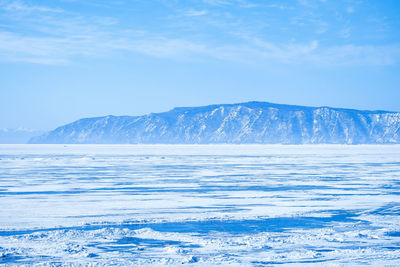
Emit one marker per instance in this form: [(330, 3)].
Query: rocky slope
[(252, 122)]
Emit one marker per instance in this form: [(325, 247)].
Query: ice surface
[(244, 205)]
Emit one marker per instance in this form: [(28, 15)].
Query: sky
[(62, 60)]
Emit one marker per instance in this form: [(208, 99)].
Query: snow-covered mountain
[(17, 136), (252, 122)]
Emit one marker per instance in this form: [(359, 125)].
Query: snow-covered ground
[(247, 205)]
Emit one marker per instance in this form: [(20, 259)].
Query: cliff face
[(252, 122)]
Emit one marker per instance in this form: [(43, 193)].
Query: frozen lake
[(247, 205)]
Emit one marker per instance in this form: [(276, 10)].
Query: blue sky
[(62, 60)]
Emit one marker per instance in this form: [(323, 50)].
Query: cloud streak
[(195, 13), (22, 7), (63, 39), (56, 51)]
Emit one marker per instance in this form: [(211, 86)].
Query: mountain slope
[(17, 136), (251, 122)]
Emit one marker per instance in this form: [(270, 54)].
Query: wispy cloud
[(280, 6), (195, 13), (240, 3), (288, 53), (350, 10), (359, 55), (62, 50), (44, 50), (216, 2), (23, 7), (54, 39)]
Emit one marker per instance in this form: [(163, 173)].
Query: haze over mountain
[(251, 122), (17, 136)]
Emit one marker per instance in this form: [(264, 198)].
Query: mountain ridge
[(248, 122), (17, 135)]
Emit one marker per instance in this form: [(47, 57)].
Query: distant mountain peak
[(18, 135), (249, 122)]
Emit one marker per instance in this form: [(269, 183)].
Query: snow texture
[(252, 122), (199, 205)]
